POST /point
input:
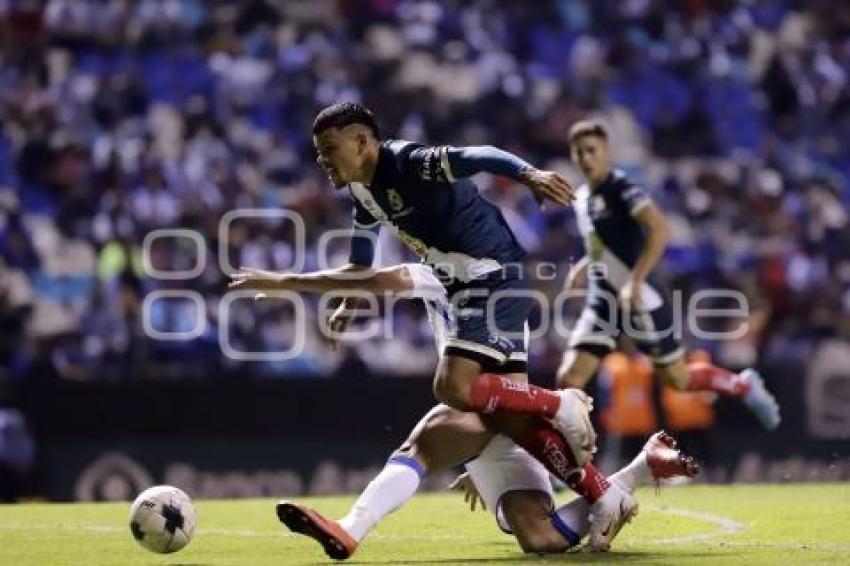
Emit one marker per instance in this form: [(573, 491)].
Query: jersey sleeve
[(467, 161), (636, 198), (445, 163), (430, 164)]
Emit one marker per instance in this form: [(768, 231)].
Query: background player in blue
[(424, 196), (625, 235)]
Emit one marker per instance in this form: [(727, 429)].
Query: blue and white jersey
[(435, 211), (613, 238)]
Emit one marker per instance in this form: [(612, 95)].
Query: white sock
[(388, 491), (635, 474), (571, 519)]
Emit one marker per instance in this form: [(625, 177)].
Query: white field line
[(725, 526), (729, 526)]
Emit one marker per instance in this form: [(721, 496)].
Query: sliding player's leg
[(443, 438)]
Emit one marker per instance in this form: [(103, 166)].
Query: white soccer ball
[(163, 519)]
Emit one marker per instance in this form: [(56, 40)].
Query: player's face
[(592, 156), (341, 153)]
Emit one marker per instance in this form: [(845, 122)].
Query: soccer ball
[(163, 519)]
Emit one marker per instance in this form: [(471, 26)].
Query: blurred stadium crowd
[(122, 117)]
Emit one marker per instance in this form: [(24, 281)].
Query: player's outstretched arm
[(546, 185), (347, 278), (352, 277)]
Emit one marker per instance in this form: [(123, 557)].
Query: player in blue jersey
[(423, 194), (625, 235)]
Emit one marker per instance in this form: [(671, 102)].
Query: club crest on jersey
[(396, 204)]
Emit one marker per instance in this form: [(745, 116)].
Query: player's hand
[(630, 294), (254, 279), (471, 496), (549, 185), (337, 322)]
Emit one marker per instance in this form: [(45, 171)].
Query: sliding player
[(625, 235), (517, 490), (424, 195), (513, 482)]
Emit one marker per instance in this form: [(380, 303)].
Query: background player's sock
[(708, 377), (388, 491), (490, 392)]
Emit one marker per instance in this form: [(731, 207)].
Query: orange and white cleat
[(337, 543), (665, 460)]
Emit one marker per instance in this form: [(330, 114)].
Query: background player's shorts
[(485, 320), (503, 467), (603, 319)]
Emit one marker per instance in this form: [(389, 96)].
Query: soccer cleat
[(572, 420), (760, 401), (665, 460), (337, 543), (614, 509)]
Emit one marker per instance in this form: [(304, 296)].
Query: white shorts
[(503, 467)]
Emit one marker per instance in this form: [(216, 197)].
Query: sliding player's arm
[(351, 277), (657, 231), (450, 163)]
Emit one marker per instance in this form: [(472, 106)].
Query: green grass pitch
[(746, 524)]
